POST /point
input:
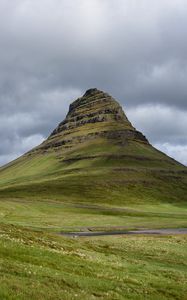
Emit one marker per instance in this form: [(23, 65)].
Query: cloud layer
[(52, 51)]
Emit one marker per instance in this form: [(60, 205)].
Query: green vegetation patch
[(36, 265)]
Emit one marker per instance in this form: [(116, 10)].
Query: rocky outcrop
[(121, 137), (94, 115), (94, 107)]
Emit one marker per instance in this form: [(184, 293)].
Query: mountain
[(96, 155)]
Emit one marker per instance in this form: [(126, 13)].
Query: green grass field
[(59, 216), (37, 265)]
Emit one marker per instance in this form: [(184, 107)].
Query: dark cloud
[(52, 50)]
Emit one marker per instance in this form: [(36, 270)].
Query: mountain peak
[(91, 92), (94, 116), (92, 95), (95, 155), (93, 107)]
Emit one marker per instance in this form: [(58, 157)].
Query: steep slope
[(95, 155)]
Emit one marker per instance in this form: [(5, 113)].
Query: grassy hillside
[(94, 186), (36, 265), (98, 172)]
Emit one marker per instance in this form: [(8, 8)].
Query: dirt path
[(146, 231)]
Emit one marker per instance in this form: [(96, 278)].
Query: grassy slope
[(36, 265), (112, 175), (115, 176), (42, 191)]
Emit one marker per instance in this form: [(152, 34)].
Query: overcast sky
[(51, 51)]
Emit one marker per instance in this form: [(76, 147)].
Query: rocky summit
[(95, 154), (95, 115)]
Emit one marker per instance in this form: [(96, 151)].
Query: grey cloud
[(51, 51), (7, 158), (18, 146), (164, 126), (160, 123), (175, 151)]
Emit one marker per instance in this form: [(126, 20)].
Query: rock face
[(95, 115), (95, 106)]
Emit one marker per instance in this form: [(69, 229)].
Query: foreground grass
[(36, 265)]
